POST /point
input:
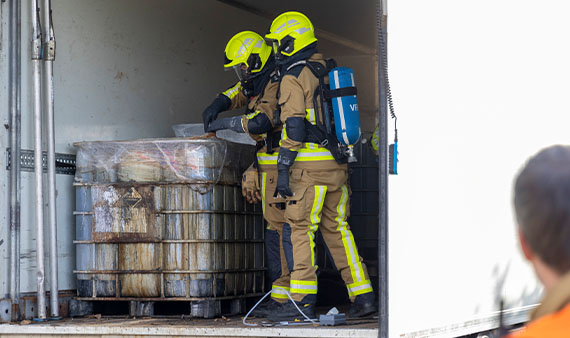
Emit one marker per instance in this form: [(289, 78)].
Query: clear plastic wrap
[(198, 160), (197, 129)]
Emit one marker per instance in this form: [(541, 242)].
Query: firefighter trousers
[(322, 199), (274, 214)]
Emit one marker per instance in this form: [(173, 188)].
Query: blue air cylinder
[(345, 108)]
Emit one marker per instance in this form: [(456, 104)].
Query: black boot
[(363, 305), (288, 312), (264, 309)]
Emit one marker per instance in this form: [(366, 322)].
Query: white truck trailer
[(478, 86)]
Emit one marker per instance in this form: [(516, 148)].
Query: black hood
[(255, 85), (303, 54)]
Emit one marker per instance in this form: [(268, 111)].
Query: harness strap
[(346, 91)]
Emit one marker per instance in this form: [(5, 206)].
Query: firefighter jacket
[(258, 121), (552, 317), (297, 90)]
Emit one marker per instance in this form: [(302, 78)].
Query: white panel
[(479, 86)]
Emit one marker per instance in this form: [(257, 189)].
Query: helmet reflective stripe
[(288, 24), (292, 31), (243, 48), (249, 49)]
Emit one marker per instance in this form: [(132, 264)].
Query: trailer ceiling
[(351, 21)]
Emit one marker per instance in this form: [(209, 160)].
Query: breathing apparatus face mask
[(245, 72), (245, 77), (241, 71), (287, 44)]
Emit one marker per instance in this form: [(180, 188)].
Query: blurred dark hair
[(542, 206)]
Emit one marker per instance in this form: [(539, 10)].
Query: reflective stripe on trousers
[(359, 288), (280, 292), (310, 287), (348, 239), (328, 209), (304, 287), (320, 192), (263, 185)]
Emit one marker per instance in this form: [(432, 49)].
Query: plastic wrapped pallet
[(164, 219)]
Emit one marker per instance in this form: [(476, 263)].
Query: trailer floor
[(121, 326)]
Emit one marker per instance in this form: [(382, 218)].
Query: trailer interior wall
[(132, 68), (479, 86)]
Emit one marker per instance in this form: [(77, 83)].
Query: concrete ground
[(121, 326)]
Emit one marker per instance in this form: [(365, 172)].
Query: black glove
[(283, 189), (285, 160), (232, 123), (220, 103)]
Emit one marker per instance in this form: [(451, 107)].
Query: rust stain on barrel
[(124, 214), (141, 256)]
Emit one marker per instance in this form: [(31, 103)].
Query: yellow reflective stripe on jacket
[(348, 240), (279, 292), (252, 115), (233, 91), (311, 146), (359, 288), (315, 217), (309, 152), (305, 287), (313, 152), (310, 116), (265, 158)]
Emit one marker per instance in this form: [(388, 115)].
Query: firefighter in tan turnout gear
[(312, 181), (248, 54)]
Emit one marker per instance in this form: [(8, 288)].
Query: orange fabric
[(555, 325)]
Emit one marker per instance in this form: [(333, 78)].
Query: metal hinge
[(64, 163)]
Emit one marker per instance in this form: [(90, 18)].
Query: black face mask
[(247, 87), (255, 84), (287, 46)]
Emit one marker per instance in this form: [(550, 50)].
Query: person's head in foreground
[(542, 207)]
